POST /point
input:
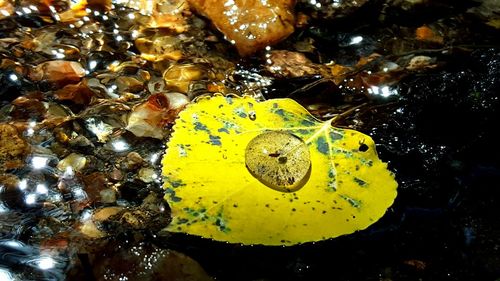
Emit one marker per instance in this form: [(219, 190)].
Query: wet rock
[(13, 148), (81, 142), (128, 84), (139, 261), (7, 9), (58, 72), (179, 77), (115, 175), (48, 42), (421, 63), (76, 162), (169, 14), (108, 196), (90, 227), (147, 175), (290, 64), (149, 119), (94, 183), (132, 161), (150, 216), (28, 108), (79, 93), (249, 25), (425, 33)]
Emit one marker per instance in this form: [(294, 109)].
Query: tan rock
[(12, 147), (250, 24), (290, 64)]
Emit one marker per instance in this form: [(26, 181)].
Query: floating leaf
[(250, 172)]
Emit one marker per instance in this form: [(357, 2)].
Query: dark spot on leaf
[(200, 127), (223, 130), (281, 113), (363, 147), (282, 160), (307, 123), (335, 136), (215, 140), (322, 145), (360, 182)]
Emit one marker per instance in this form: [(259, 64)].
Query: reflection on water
[(23, 262)]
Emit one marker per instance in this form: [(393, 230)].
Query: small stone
[(108, 195), (128, 84), (77, 93), (58, 72), (94, 184), (133, 160), (28, 108), (74, 161), (179, 76), (291, 64), (250, 25), (147, 175), (115, 175), (105, 213), (7, 9), (89, 229), (149, 119), (80, 141), (421, 63)]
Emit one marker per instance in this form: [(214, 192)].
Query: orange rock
[(424, 33), (58, 72), (77, 93), (250, 25), (6, 8)]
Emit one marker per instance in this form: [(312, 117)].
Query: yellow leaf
[(250, 172)]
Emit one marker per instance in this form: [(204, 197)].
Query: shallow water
[(66, 154)]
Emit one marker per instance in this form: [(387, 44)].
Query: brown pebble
[(132, 161), (115, 175)]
